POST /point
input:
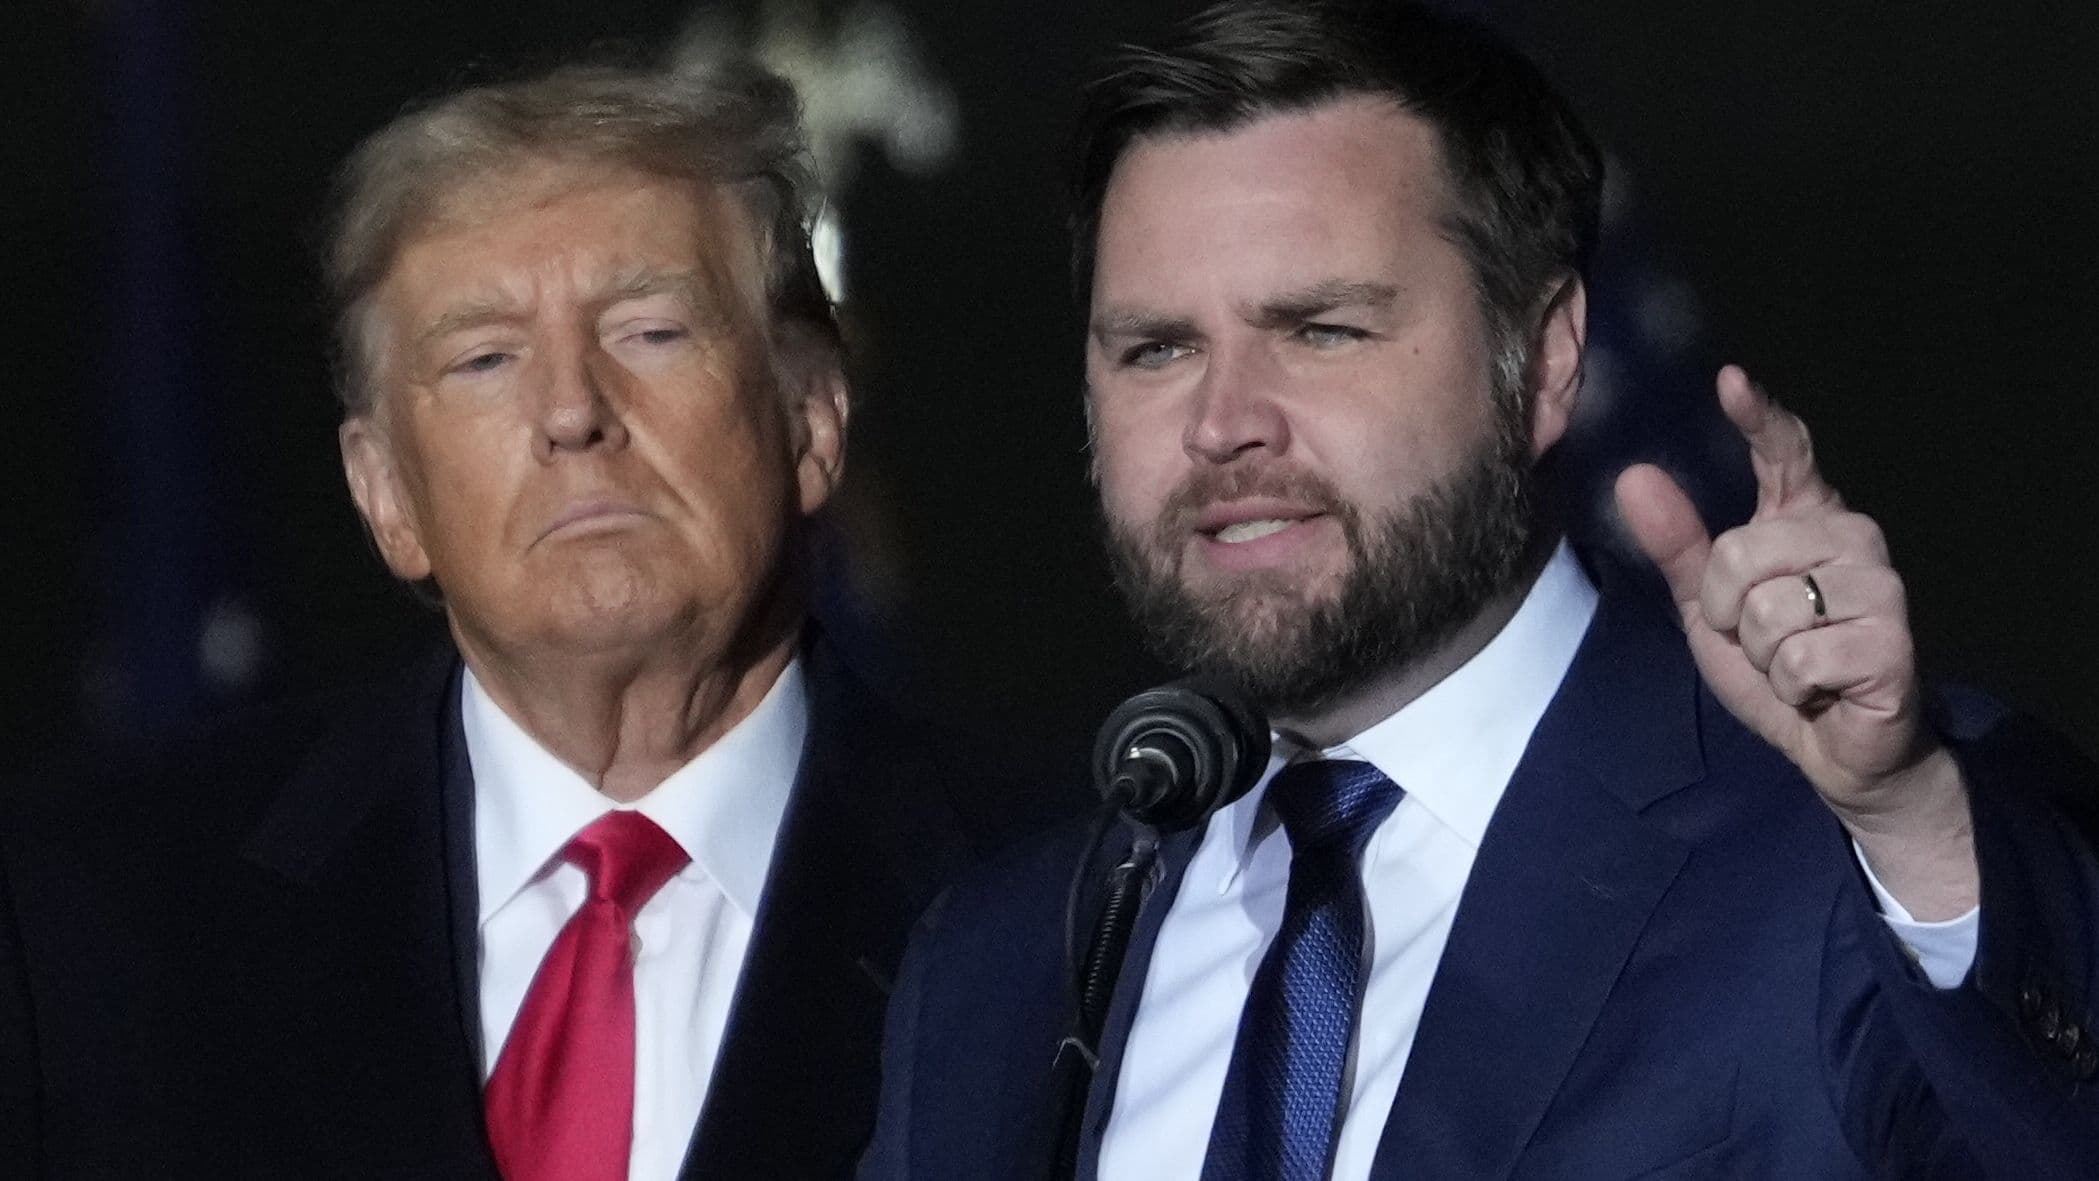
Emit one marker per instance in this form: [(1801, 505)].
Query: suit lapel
[(357, 988), (1174, 855), (463, 883), (347, 985), (1565, 881), (794, 1087)]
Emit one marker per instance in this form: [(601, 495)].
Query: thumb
[(1668, 530)]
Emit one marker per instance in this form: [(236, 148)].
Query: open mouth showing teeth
[(1251, 530)]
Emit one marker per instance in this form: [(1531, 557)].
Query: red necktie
[(561, 1098)]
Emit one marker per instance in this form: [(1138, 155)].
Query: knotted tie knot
[(627, 857), (1331, 804)]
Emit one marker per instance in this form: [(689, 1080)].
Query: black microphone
[(1171, 756)]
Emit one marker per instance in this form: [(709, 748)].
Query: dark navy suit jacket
[(257, 957), (1666, 964)]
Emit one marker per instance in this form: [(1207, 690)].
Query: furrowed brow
[(478, 314), (1295, 307)]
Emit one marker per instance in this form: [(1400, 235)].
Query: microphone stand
[(1078, 1055), (1165, 760)]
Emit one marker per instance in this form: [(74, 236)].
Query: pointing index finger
[(1780, 449)]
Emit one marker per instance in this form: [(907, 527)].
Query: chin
[(613, 607), (1270, 621), (606, 635), (1265, 599)]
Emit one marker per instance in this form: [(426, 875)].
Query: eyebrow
[(1149, 325), (470, 315), (643, 283), (704, 300), (1277, 311), (640, 284), (1306, 303)]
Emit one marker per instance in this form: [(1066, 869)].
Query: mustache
[(1176, 517)]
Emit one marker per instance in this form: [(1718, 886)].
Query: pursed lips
[(590, 516)]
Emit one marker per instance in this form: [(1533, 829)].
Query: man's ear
[(822, 406), (370, 466), (1556, 363)]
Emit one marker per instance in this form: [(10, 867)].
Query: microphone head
[(1171, 756)]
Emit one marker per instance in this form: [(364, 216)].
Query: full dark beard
[(1416, 575)]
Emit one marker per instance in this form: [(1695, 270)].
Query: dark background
[(1885, 210)]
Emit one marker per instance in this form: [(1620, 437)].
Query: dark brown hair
[(1526, 177)]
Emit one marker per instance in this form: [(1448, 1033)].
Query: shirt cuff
[(1944, 950)]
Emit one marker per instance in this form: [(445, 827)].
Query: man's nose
[(578, 410), (1236, 410)]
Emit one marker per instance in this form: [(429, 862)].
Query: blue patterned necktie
[(1281, 1107)]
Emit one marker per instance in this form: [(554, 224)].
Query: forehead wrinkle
[(474, 206)]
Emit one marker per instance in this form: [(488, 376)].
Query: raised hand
[(1800, 626)]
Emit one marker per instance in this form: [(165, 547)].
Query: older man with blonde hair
[(613, 885)]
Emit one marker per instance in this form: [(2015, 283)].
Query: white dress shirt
[(1453, 750), (724, 808)]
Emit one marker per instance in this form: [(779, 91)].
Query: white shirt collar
[(724, 807), (1454, 748)]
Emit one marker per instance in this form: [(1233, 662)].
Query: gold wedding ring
[(1815, 600)]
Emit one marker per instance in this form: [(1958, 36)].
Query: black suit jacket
[(256, 957)]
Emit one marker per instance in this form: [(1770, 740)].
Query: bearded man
[(1540, 882)]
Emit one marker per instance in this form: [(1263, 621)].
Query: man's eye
[(487, 362), (644, 332), (1326, 336), (1153, 354)]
